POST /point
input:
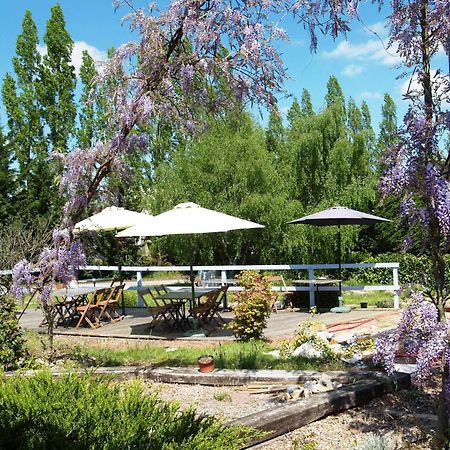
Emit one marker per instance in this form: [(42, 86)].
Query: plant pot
[(205, 363), (364, 305)]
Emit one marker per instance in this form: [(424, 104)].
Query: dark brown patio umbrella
[(339, 215)]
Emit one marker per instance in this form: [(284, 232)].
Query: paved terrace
[(135, 324)]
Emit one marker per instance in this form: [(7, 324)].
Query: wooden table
[(64, 303), (180, 297)]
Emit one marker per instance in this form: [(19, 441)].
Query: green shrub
[(11, 338), (76, 412), (253, 306), (413, 270)]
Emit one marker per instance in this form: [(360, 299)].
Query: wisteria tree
[(186, 49), (417, 169)]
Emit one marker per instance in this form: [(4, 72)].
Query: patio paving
[(135, 325)]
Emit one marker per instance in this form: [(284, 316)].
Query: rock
[(297, 394), (307, 350), (171, 349), (355, 359), (326, 385), (274, 353), (306, 393), (337, 348), (341, 309), (285, 397), (324, 336)]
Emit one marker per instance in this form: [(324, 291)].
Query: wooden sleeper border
[(295, 414)]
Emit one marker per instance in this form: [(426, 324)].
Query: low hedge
[(80, 412), (413, 269)]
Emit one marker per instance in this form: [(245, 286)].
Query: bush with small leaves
[(253, 306), (87, 412), (12, 349)]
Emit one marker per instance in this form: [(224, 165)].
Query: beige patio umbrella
[(188, 218), (112, 218)]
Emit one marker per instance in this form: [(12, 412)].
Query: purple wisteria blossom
[(420, 334)]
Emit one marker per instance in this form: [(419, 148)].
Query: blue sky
[(361, 63)]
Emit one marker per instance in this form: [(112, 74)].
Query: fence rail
[(311, 268)]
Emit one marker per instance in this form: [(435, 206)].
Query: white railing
[(312, 288)]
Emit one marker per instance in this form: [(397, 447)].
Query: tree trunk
[(434, 234)]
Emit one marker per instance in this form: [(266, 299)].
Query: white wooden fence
[(311, 268)]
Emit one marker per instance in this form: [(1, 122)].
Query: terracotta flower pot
[(205, 363)]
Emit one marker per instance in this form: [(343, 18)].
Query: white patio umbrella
[(188, 218), (112, 218)]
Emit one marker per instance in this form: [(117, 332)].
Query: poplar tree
[(275, 133), (58, 82), (33, 194), (6, 179), (93, 105), (388, 127), (293, 112), (306, 104)]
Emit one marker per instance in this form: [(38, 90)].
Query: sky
[(365, 68)]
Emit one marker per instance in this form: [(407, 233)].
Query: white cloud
[(412, 86), (379, 28), (353, 70), (99, 56), (371, 50), (370, 95)]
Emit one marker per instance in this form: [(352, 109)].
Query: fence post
[(312, 292), (396, 298), (139, 286), (223, 275)]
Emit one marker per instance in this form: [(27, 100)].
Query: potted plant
[(205, 363)]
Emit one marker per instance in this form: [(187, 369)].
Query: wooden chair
[(108, 305), (160, 311), (282, 293), (89, 313), (208, 312)]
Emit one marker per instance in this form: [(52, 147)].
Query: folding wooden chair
[(208, 312), (108, 305), (89, 313), (160, 311), (282, 293)]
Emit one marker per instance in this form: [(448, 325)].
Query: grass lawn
[(233, 355), (380, 299)]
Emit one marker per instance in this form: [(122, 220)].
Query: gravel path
[(406, 420)]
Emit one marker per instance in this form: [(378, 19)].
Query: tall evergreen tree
[(58, 82), (335, 95), (293, 112), (275, 133), (355, 118), (93, 106), (388, 127), (88, 72), (306, 104), (6, 179), (25, 128)]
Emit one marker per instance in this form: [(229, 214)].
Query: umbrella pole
[(339, 264), (192, 277), (119, 269)]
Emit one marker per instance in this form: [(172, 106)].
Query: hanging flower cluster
[(420, 334)]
